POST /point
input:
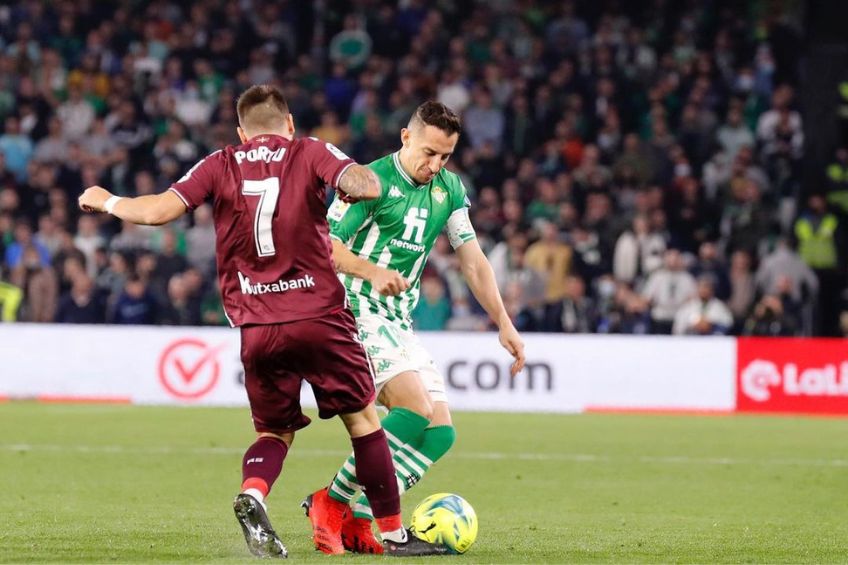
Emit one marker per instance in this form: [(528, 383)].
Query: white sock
[(397, 536), (257, 494)]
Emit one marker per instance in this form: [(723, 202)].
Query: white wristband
[(109, 205)]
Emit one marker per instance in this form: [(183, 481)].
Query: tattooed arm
[(359, 183)]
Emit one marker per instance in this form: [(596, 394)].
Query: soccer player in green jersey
[(379, 248)]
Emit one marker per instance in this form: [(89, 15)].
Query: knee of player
[(423, 407), (285, 437), (420, 404)]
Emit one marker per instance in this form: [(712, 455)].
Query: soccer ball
[(447, 519)]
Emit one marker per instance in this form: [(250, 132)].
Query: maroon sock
[(376, 473), (262, 464)]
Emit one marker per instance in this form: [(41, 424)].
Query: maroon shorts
[(325, 352)]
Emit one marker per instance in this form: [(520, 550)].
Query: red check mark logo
[(189, 368), (188, 373)]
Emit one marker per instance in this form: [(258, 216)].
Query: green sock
[(401, 426), (412, 461)]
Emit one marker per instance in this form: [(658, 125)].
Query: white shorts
[(394, 350)]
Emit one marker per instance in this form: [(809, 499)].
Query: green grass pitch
[(145, 484)]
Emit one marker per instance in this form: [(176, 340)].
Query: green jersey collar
[(406, 177)]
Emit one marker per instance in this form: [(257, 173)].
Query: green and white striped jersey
[(397, 231)]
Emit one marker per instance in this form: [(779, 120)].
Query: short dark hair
[(438, 115), (261, 106)]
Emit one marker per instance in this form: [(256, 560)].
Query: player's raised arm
[(359, 183), (151, 209), (157, 209)]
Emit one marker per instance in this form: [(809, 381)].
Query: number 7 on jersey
[(268, 191)]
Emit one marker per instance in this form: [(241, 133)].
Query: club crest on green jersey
[(439, 194)]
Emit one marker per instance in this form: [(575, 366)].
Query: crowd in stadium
[(633, 167)]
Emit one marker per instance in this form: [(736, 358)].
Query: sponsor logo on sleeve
[(336, 152), (338, 209), (188, 173)]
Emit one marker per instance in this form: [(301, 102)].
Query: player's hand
[(511, 341), (93, 199), (388, 283), (344, 197)]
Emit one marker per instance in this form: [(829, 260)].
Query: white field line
[(478, 455)]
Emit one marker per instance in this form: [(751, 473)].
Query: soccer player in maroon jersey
[(279, 286)]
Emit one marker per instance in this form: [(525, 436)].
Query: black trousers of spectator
[(661, 327), (829, 306)]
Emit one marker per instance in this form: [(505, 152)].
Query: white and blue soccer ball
[(446, 519)]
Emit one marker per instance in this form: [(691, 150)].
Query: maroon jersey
[(271, 237)]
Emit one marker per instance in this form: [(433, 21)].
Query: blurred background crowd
[(633, 166)]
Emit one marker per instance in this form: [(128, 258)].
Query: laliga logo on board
[(759, 377)]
